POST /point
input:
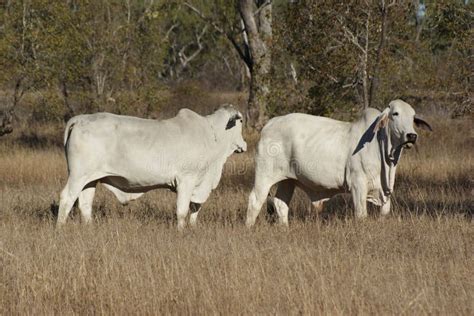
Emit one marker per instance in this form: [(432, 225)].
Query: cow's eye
[(395, 114)]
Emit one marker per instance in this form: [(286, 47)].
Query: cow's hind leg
[(68, 197), (195, 208), (256, 199), (280, 202), (86, 197), (318, 205)]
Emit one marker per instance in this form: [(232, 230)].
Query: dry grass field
[(132, 260)]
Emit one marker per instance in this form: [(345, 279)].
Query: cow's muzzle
[(241, 149), (411, 137), (410, 140)]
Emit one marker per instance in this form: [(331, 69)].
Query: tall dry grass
[(132, 260)]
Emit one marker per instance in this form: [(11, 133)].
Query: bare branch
[(266, 3), (293, 73), (351, 37), (172, 27), (202, 16), (246, 43), (185, 60), (242, 55), (394, 2), (227, 65)]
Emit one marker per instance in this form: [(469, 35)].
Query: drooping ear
[(382, 120), (422, 124), (232, 120)]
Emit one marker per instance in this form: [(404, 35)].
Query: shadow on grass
[(433, 208), (338, 208), (33, 140), (102, 212)]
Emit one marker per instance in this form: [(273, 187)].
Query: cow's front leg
[(359, 197), (195, 208), (385, 208), (182, 204)]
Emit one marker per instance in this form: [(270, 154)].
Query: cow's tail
[(67, 132)]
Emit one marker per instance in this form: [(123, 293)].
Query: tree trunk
[(256, 16), (6, 116), (6, 122), (364, 64), (259, 41), (69, 111), (376, 74)]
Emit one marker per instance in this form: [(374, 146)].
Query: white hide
[(325, 157), (131, 156)]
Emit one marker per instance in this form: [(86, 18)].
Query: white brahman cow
[(130, 156), (325, 157)]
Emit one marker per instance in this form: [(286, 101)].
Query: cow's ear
[(382, 120), (232, 120), (422, 124)]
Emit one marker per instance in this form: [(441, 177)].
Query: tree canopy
[(325, 56)]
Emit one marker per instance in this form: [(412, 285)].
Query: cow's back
[(126, 132)]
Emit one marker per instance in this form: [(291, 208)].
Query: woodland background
[(148, 58)]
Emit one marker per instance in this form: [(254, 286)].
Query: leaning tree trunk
[(259, 40), (6, 115), (6, 121), (378, 59)]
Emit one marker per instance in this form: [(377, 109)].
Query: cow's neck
[(220, 148), (217, 122), (389, 159)]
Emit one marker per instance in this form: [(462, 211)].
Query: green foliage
[(326, 64), (127, 56), (310, 35), (192, 95), (145, 101), (449, 24), (94, 46), (48, 108)]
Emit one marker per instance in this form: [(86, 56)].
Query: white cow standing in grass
[(325, 157), (131, 156)]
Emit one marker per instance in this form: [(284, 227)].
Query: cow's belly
[(132, 174), (315, 178), (320, 175), (124, 185), (319, 164)]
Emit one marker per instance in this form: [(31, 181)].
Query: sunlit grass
[(132, 260)]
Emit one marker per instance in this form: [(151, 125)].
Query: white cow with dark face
[(325, 157), (130, 156)]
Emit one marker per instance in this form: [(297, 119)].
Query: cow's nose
[(241, 149), (411, 137)]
